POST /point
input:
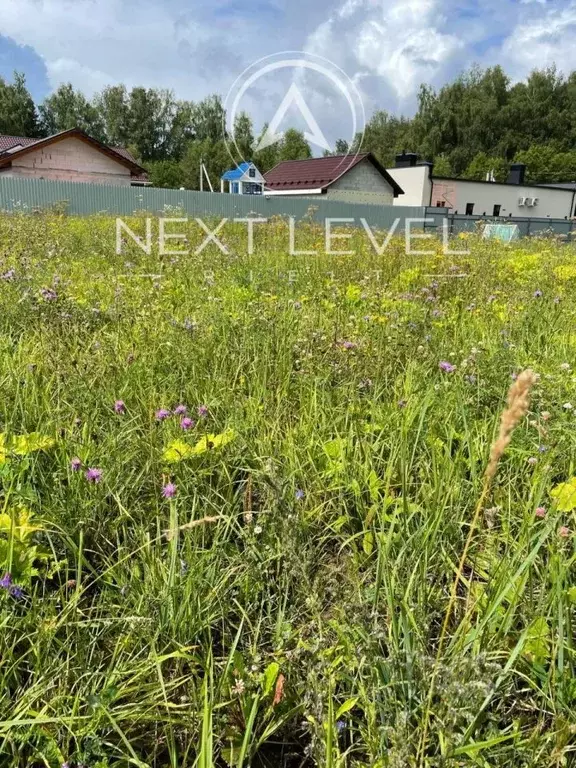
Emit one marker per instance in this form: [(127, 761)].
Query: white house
[(481, 198), (246, 179)]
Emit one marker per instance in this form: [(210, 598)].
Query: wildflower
[(119, 406), (93, 475), (340, 725), (532, 461), (542, 448), (565, 367), (202, 411), (538, 294), (180, 410), (169, 491), (75, 464), (471, 378), (8, 276), (446, 367), (568, 407), (540, 512), (187, 423), (258, 529), (545, 415), (564, 532), (239, 688), (6, 581), (402, 403), (48, 294), (349, 345), (299, 494), (16, 592), (162, 414)]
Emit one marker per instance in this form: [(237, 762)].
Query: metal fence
[(30, 195)]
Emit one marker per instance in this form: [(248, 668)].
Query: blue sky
[(197, 47)]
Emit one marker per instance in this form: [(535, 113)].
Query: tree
[(113, 106), (166, 173), (18, 115), (483, 165), (266, 158), (67, 108), (216, 159), (208, 119), (294, 146), (151, 116), (244, 136)]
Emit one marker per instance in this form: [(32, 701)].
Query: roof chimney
[(406, 160), (517, 174)]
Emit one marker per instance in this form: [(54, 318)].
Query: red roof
[(320, 172), (7, 142)]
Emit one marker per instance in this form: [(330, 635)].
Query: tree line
[(478, 124)]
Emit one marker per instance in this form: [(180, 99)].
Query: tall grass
[(319, 590)]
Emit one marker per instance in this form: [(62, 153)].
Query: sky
[(197, 47)]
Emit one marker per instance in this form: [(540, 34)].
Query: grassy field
[(245, 519)]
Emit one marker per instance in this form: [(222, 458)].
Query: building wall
[(415, 182), (456, 194), (362, 184), (69, 160)]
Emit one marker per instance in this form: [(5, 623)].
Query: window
[(252, 173), (439, 203), (497, 209), (469, 209)]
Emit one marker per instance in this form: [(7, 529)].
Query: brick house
[(69, 156), (349, 178)]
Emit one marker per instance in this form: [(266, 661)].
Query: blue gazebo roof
[(236, 173)]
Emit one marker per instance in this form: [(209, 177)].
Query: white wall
[(455, 194), (415, 182)]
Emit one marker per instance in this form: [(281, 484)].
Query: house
[(69, 156), (481, 198), (246, 179), (350, 178)]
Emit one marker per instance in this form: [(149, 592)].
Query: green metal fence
[(30, 195)]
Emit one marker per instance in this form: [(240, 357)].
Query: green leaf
[(346, 707), (270, 676), (565, 495), (368, 542)]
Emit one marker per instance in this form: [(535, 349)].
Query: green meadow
[(245, 514)]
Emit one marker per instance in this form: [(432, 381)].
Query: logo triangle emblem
[(314, 134)]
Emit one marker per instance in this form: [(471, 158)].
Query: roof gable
[(240, 173), (320, 172), (121, 156)]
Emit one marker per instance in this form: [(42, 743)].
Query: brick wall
[(70, 160), (362, 184)]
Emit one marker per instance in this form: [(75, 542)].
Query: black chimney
[(406, 160), (517, 174)]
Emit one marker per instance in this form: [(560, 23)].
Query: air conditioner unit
[(521, 201), (529, 202), (536, 201)]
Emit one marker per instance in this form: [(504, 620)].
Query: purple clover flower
[(180, 410), (446, 366), (48, 294), (16, 592), (93, 475), (120, 406), (169, 491), (75, 464), (162, 414), (187, 423), (202, 411), (299, 494), (6, 581)]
